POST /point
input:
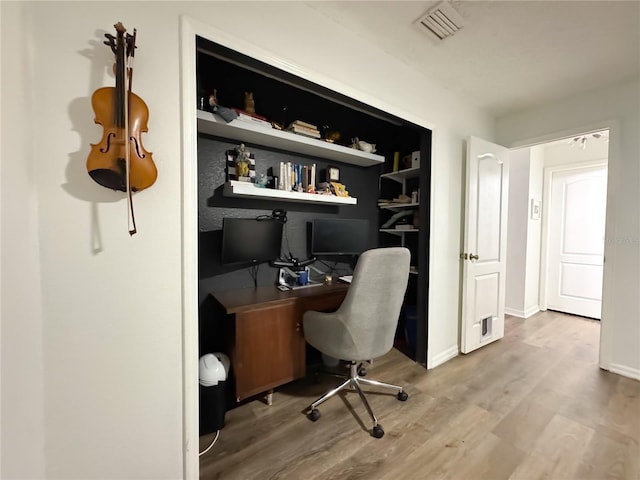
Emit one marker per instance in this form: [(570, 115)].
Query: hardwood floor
[(531, 405)]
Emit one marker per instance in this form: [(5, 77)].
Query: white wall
[(91, 318), (517, 223), (534, 235), (523, 233), (618, 107)]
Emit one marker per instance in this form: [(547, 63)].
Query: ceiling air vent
[(441, 21)]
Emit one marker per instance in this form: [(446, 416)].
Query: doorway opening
[(557, 217)]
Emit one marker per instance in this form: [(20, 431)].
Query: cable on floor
[(211, 444)]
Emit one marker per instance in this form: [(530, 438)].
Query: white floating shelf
[(249, 190), (394, 231), (402, 175), (398, 206), (246, 132)]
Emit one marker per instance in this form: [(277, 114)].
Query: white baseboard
[(522, 313), (625, 371), (443, 357)]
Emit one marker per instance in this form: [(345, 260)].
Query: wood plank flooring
[(533, 405)]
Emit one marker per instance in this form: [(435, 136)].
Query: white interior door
[(576, 240), (485, 238)]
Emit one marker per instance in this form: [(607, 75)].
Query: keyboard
[(346, 278)]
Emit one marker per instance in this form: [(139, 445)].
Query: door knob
[(473, 257)]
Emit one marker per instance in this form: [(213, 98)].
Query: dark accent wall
[(282, 97), (361, 183)]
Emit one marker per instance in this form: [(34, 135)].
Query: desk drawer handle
[(298, 327)]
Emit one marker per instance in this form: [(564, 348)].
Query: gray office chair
[(364, 326)]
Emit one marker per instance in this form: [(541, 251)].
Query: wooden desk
[(264, 331)]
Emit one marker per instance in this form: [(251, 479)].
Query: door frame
[(614, 170), (546, 208), (189, 28)]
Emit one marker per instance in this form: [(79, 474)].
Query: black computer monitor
[(339, 236), (250, 241)]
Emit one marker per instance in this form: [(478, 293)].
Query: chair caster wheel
[(313, 415), (362, 372), (402, 396), (377, 431)]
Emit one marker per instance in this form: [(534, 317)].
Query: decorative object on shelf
[(241, 164), (396, 161), (227, 114), (324, 188), (412, 160), (339, 190), (333, 174), (213, 100), (119, 161), (249, 103), (330, 136), (363, 146), (263, 180)]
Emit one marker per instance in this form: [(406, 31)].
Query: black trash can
[(214, 370), (213, 406)]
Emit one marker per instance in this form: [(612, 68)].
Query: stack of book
[(296, 177), (303, 128), (253, 118)]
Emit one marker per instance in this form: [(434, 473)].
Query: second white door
[(576, 240)]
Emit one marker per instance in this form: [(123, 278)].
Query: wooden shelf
[(213, 124), (249, 190), (402, 175)]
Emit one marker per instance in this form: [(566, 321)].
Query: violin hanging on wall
[(119, 161)]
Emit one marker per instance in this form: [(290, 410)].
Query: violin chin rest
[(109, 179)]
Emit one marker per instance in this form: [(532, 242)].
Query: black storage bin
[(212, 407)]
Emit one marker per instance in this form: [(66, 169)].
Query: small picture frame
[(535, 209)]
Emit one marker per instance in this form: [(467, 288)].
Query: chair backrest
[(372, 305)]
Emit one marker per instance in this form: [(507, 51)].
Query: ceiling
[(509, 55)]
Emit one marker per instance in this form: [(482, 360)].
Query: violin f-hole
[(137, 147), (108, 147)]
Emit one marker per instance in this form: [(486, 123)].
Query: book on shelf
[(253, 120), (303, 131), (300, 123), (297, 177), (249, 114)]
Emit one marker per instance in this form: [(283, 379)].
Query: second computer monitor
[(339, 236)]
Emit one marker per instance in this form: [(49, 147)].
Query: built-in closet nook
[(399, 168)]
